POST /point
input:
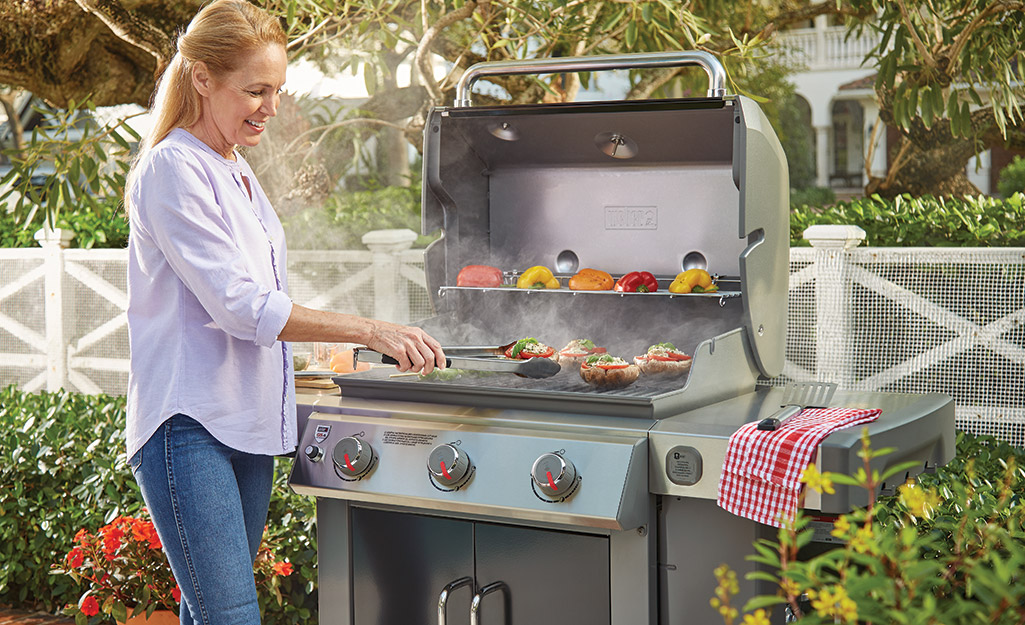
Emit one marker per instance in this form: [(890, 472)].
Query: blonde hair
[(220, 35)]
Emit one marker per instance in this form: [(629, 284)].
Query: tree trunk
[(9, 102), (62, 53)]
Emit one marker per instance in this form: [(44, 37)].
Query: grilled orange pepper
[(591, 280), (537, 277), (693, 280)]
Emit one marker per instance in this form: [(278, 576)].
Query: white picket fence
[(948, 320)]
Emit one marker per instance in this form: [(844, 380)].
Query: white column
[(877, 166), (54, 242), (391, 303), (822, 155), (833, 300)]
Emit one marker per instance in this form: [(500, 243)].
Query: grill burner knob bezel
[(564, 477), (361, 458), (457, 464)]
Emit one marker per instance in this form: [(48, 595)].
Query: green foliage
[(922, 222), (798, 144), (71, 163), (63, 468), (814, 197), (107, 227), (1012, 178), (348, 215), (939, 58), (948, 548)]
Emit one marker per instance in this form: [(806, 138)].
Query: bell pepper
[(637, 281), (537, 277), (693, 280), (591, 280)]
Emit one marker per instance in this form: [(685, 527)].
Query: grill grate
[(564, 392)]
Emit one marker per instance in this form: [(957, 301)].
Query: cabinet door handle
[(477, 598), (445, 592)]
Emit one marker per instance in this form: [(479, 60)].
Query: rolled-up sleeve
[(216, 245)]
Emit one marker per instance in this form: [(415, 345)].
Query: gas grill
[(489, 498)]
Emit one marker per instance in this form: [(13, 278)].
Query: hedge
[(63, 468), (922, 222)]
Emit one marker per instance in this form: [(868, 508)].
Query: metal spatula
[(797, 397)]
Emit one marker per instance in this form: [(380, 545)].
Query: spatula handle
[(773, 422)]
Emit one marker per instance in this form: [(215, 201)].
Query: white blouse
[(207, 299)]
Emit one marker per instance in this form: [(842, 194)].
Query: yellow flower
[(818, 481), (841, 527), (789, 587), (833, 602), (862, 540), (758, 618), (920, 502)]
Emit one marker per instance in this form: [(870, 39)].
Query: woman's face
[(237, 105)]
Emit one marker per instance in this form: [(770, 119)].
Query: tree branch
[(923, 51), (131, 28), (422, 58)]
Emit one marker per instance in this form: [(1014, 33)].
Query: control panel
[(595, 479)]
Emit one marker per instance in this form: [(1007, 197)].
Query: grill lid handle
[(645, 60)]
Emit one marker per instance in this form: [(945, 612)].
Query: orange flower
[(283, 568), (90, 607), (75, 557), (81, 536)]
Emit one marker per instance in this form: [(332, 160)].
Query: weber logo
[(631, 218)]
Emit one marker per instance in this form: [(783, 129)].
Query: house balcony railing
[(827, 48)]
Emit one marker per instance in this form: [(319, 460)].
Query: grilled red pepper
[(637, 281)]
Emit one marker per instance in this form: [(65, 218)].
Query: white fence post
[(391, 303), (833, 299), (54, 242)]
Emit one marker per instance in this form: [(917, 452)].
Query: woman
[(211, 398)]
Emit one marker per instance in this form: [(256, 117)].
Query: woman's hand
[(412, 347)]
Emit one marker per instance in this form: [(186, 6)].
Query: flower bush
[(945, 548), (124, 567)]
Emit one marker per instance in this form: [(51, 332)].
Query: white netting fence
[(947, 320)]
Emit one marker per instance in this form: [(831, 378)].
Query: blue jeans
[(209, 504)]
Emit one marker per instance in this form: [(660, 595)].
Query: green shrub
[(1012, 178), (947, 548), (107, 227), (922, 222), (63, 468)]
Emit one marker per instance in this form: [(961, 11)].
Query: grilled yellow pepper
[(537, 277), (693, 280)]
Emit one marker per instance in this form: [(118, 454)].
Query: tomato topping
[(670, 357)]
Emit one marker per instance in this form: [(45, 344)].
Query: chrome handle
[(645, 60), (477, 598), (445, 592)]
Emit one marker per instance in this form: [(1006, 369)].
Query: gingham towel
[(761, 476)]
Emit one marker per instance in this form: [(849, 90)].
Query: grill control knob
[(449, 466), (352, 457), (555, 477), (314, 453)]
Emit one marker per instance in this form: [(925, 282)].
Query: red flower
[(283, 568), (90, 607), (81, 536), (75, 557), (176, 593), (110, 545)]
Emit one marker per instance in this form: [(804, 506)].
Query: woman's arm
[(412, 347)]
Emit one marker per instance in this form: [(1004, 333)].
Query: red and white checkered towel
[(761, 476)]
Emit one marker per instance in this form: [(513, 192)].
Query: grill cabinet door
[(400, 563), (548, 576)]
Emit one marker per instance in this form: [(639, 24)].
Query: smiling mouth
[(255, 124)]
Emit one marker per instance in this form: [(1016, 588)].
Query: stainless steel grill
[(496, 499)]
